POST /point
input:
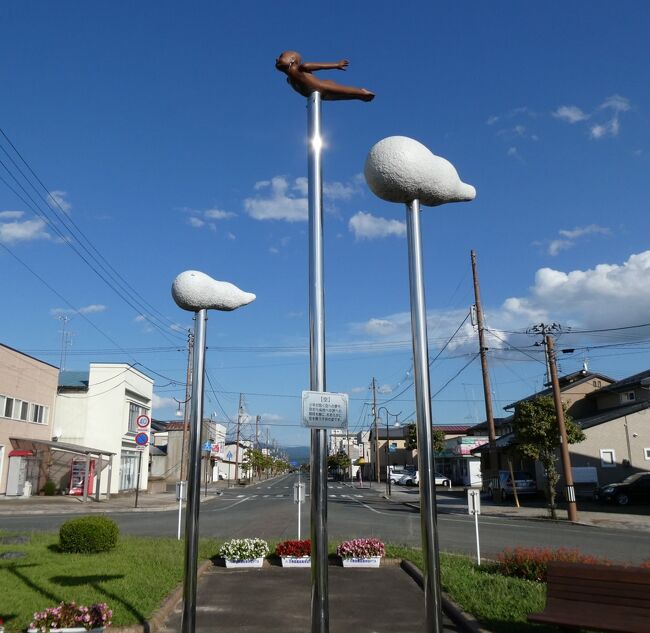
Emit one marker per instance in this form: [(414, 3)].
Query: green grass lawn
[(139, 573), (133, 579)]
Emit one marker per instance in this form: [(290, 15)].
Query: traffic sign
[(207, 446), (143, 421), (229, 455), (324, 410), (142, 439)]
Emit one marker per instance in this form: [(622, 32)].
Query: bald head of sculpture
[(287, 59)]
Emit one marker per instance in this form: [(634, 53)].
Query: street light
[(396, 425)]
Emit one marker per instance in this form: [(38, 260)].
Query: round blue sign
[(142, 439)]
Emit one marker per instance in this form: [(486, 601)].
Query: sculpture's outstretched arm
[(314, 66)]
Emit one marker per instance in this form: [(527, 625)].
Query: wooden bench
[(599, 597)]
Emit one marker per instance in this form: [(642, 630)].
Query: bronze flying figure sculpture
[(301, 79)]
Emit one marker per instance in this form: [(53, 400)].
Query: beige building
[(27, 399)]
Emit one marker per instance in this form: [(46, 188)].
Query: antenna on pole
[(64, 318)]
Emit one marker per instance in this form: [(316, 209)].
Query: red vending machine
[(77, 472)]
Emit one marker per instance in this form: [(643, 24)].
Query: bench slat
[(607, 598)]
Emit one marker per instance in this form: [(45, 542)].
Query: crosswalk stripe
[(239, 496)]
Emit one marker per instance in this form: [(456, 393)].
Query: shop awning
[(31, 444)]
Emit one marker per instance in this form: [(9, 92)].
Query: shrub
[(49, 488), (293, 548), (361, 548), (88, 535), (532, 563), (69, 615), (244, 549)]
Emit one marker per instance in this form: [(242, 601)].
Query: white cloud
[(616, 103), (513, 152), (608, 295), (279, 204), (11, 215), (218, 214), (568, 237), (93, 308), (379, 327), (492, 120), (57, 199), (358, 389), (231, 236), (140, 318), (286, 200), (197, 223), (24, 231), (600, 128), (271, 417), (570, 114), (366, 226), (384, 389), (162, 402)]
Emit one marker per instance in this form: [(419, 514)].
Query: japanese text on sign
[(324, 410)]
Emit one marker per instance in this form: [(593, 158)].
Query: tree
[(438, 438), (339, 462), (538, 436)]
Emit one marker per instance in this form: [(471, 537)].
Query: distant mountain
[(298, 454)]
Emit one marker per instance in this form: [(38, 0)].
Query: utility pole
[(240, 413), (268, 453), (257, 442), (487, 391), (374, 414), (64, 318), (564, 446), (347, 433), (544, 329), (186, 406)]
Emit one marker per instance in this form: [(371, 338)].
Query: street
[(267, 510)]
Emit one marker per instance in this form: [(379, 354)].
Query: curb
[(466, 622), (159, 617)]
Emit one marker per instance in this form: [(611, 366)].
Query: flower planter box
[(73, 629), (366, 561), (296, 561), (240, 564)]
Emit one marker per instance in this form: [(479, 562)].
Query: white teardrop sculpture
[(400, 169), (193, 290)]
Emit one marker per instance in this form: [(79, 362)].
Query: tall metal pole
[(186, 407), (239, 417), (318, 478), (374, 413), (430, 546), (487, 392), (564, 446), (188, 621)]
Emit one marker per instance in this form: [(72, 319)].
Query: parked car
[(413, 479), (633, 489), (524, 483)]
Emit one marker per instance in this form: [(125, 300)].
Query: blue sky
[(163, 131)]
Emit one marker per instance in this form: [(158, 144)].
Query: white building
[(99, 408)]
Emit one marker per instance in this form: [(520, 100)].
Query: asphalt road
[(267, 510)]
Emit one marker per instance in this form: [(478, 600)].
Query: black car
[(633, 489)]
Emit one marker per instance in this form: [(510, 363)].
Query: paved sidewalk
[(384, 600), (589, 512), (147, 502)]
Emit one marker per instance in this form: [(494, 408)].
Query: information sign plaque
[(324, 410)]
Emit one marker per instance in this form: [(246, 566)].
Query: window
[(20, 410), (597, 383), (135, 410), (607, 457), (628, 396), (646, 452), (9, 407), (39, 414)]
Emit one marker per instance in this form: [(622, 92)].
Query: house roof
[(498, 423), (627, 382), (584, 423), (452, 428), (74, 379), (566, 381), (612, 414)]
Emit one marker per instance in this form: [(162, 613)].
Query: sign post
[(142, 423), (474, 507), (299, 499), (181, 493)]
